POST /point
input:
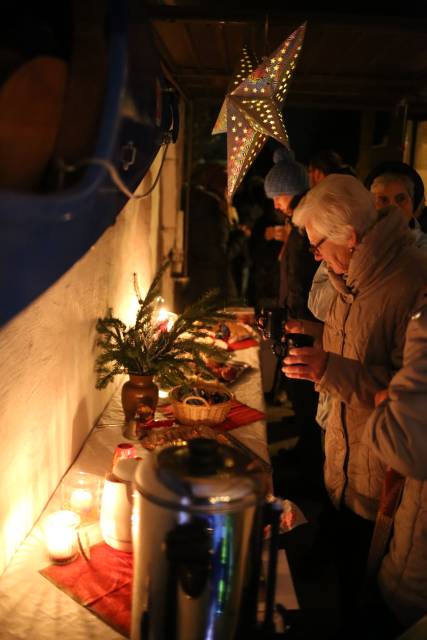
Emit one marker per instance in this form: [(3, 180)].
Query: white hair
[(336, 206), (388, 178)]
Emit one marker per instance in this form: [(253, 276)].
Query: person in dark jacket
[(264, 277), (286, 183), (325, 162), (210, 245)]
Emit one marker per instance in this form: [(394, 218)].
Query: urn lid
[(198, 475)]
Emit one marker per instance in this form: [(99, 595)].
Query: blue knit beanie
[(287, 176)]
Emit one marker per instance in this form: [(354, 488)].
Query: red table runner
[(103, 584), (242, 344)]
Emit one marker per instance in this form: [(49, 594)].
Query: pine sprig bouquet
[(147, 348)]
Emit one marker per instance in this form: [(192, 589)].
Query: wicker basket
[(208, 414)]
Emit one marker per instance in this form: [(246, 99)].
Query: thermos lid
[(200, 475)]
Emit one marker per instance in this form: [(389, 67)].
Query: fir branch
[(172, 356)]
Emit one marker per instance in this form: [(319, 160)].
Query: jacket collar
[(378, 248)]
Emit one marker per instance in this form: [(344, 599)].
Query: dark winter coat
[(208, 247)]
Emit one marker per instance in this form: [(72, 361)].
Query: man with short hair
[(325, 162)]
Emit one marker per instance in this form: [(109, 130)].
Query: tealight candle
[(80, 493), (81, 500), (61, 535), (165, 319)]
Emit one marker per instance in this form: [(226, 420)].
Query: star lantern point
[(255, 105)]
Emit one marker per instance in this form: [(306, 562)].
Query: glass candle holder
[(61, 536), (81, 494)]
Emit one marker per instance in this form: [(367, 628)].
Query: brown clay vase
[(139, 390)]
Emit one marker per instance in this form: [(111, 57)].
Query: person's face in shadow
[(315, 176), (336, 256), (393, 193), (282, 203)]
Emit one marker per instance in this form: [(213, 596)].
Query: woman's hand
[(305, 363), (294, 326), (278, 232), (245, 229), (309, 327)]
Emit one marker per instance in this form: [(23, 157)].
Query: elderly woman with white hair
[(377, 272), (392, 183)]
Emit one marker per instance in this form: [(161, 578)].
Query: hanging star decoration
[(247, 63), (252, 110)]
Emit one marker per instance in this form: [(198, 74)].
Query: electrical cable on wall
[(114, 174)]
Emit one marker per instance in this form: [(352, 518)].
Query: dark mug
[(271, 323), (296, 340)]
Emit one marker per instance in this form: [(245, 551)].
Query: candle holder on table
[(81, 494), (61, 536)]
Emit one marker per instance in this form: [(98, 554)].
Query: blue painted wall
[(43, 235)]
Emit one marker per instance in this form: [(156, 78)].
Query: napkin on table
[(103, 584)]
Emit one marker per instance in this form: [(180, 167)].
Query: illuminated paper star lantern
[(253, 108), (247, 63)]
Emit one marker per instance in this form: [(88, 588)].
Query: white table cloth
[(31, 606)]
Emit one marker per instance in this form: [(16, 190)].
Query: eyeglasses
[(314, 248)]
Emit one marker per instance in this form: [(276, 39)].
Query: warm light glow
[(171, 319), (61, 535), (81, 500), (163, 393), (162, 314), (80, 493), (165, 319), (17, 526)]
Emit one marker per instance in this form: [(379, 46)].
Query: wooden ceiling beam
[(193, 77), (231, 14)]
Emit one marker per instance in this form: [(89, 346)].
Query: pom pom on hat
[(287, 176), (283, 154)]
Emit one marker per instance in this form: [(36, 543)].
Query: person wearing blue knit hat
[(285, 180), (286, 184)]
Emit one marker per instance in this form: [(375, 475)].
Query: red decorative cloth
[(242, 344), (238, 416), (103, 584)]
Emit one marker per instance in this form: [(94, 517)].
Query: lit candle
[(165, 319), (61, 535), (162, 319), (80, 493), (81, 500)]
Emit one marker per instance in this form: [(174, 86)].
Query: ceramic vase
[(137, 391)]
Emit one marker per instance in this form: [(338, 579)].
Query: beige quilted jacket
[(397, 432), (364, 333)]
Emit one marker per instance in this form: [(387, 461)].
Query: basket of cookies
[(201, 403)]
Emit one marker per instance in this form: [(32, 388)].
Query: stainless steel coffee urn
[(194, 512)]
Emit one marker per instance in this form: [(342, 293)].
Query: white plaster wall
[(48, 400), (170, 214)]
